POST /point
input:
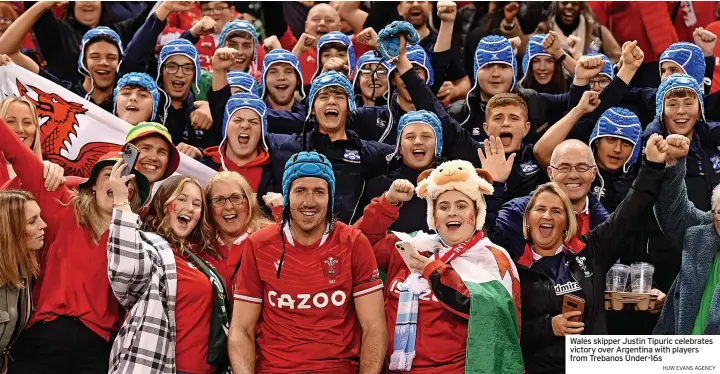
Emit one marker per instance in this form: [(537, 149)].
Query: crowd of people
[(400, 186)]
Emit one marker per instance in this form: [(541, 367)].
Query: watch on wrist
[(560, 59)]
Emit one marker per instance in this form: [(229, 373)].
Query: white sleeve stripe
[(248, 298), (369, 290)]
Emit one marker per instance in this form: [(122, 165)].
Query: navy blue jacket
[(504, 223)]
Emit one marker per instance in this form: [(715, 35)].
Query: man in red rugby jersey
[(310, 284)]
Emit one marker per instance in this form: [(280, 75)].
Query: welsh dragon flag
[(74, 132)]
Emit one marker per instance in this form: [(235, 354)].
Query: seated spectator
[(558, 262), (177, 303), (281, 81), (242, 82), (435, 283), (542, 72), (20, 115), (23, 236), (136, 98), (689, 306), (233, 222), (370, 80), (576, 18)]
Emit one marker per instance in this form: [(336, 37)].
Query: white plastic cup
[(641, 275), (616, 278)]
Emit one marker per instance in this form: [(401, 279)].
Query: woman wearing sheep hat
[(431, 294)]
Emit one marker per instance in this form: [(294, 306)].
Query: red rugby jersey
[(308, 317)]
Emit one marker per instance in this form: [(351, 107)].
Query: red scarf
[(459, 249)]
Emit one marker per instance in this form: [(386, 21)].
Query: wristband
[(560, 59), (124, 203)]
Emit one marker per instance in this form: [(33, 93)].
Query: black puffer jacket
[(544, 352)]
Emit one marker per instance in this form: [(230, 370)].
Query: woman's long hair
[(17, 261), (201, 237), (557, 85), (552, 188), (37, 145), (255, 220)]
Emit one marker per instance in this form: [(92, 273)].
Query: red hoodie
[(252, 171)]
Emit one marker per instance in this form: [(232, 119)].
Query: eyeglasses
[(380, 73), (580, 168), (235, 200), (216, 9), (172, 68), (600, 82)]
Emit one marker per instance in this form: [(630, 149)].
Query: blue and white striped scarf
[(406, 322)]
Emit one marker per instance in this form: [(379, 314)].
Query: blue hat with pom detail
[(89, 37), (142, 80), (277, 56), (689, 57), (673, 82), (329, 79), (308, 164), (619, 123), (244, 81), (338, 38)]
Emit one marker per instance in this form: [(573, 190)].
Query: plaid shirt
[(143, 276)]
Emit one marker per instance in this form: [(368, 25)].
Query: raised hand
[(305, 42), (678, 147), (632, 55), (223, 58), (53, 4), (515, 43), (201, 117), (119, 184), (447, 11), (205, 26), (189, 150), (271, 42), (400, 191), (587, 67), (575, 45), (368, 37), (561, 326), (336, 64), (493, 159), (54, 176), (273, 199), (589, 101), (177, 6), (511, 11), (656, 148), (551, 44), (706, 40)]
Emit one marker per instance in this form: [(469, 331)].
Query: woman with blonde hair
[(556, 264), (22, 117), (21, 239), (235, 214), (75, 312), (177, 303)]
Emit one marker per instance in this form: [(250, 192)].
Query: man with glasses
[(573, 168)]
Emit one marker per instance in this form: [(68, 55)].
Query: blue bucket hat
[(308, 164), (369, 57), (339, 38), (689, 57), (179, 47), (673, 82), (138, 79), (243, 81), (240, 26), (277, 56), (420, 116), (619, 123), (89, 37), (389, 42), (329, 79), (534, 48), (244, 100), (417, 56)]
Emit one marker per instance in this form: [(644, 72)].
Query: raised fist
[(511, 10), (336, 64), (446, 11), (632, 55), (400, 191), (368, 37), (589, 101), (551, 44), (305, 42), (271, 42), (678, 147), (656, 148), (205, 26), (588, 67), (706, 40), (223, 58)]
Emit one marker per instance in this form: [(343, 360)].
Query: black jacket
[(544, 352)]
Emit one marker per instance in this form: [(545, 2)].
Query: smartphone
[(130, 156), (405, 249), (573, 303)]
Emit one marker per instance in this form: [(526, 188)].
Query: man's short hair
[(503, 100), (680, 92)]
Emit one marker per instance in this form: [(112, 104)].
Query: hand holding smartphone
[(572, 303), (406, 249), (129, 156)]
